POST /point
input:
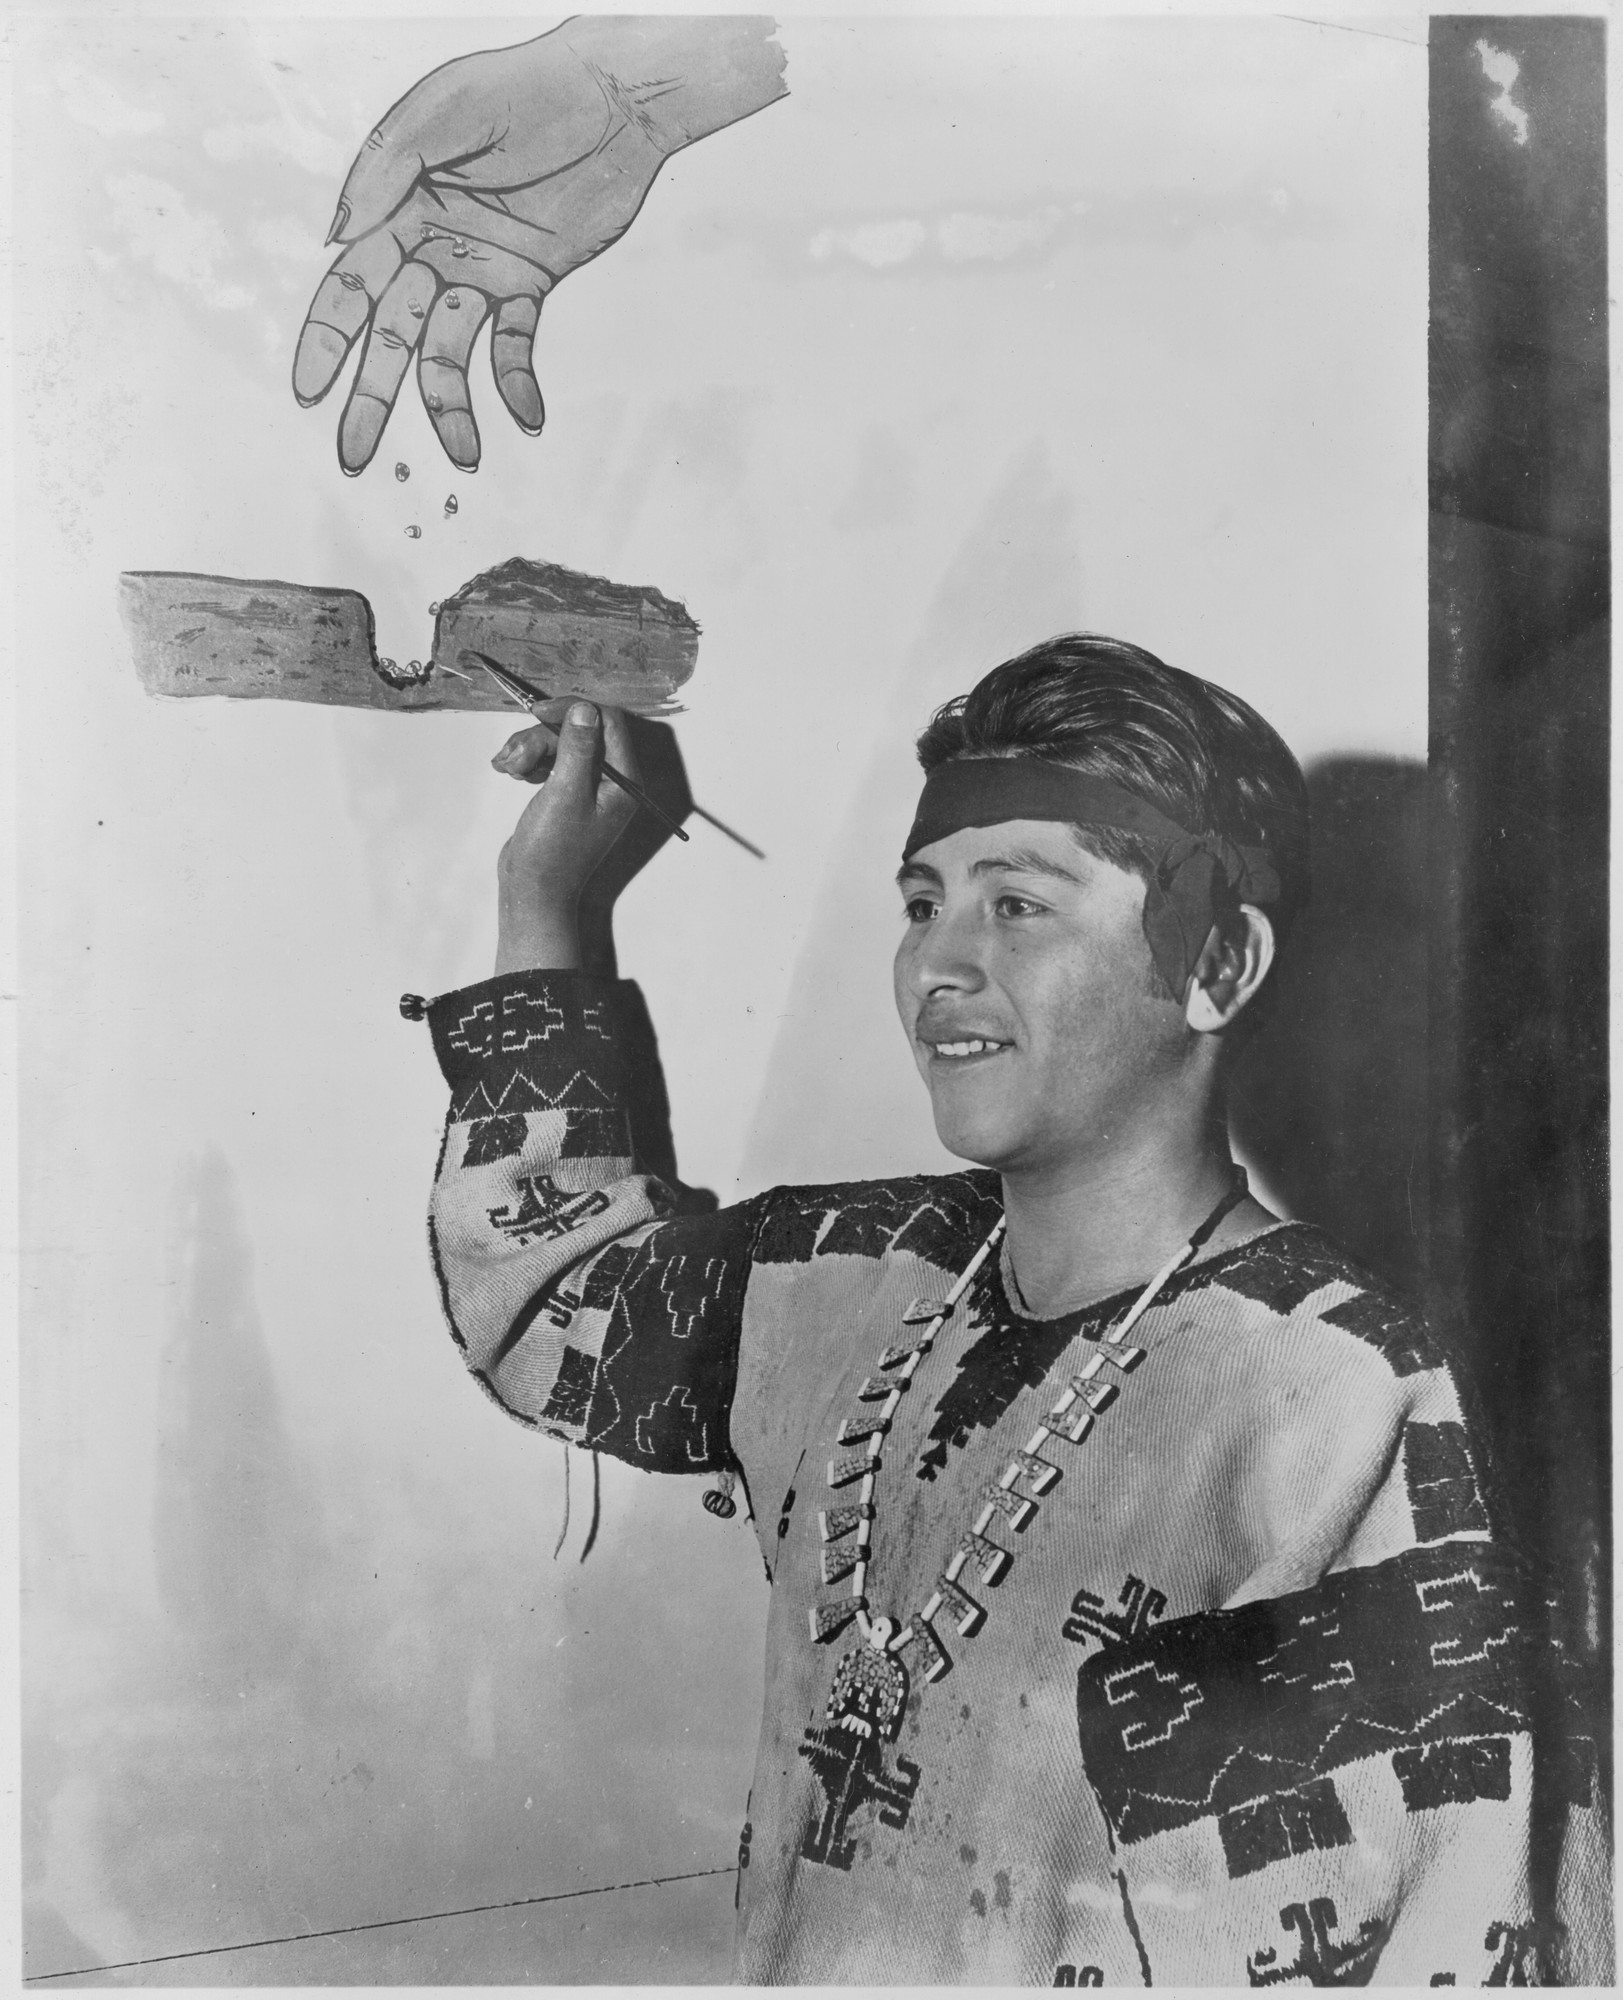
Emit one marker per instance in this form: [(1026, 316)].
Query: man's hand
[(490, 180), (580, 840)]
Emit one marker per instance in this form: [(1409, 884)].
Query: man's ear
[(1232, 965)]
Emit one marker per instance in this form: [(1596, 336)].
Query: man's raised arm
[(579, 1300)]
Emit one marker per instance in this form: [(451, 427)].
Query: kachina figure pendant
[(870, 1689)]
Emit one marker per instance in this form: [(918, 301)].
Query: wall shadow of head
[(1329, 1097)]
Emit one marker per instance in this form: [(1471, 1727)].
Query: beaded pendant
[(870, 1689)]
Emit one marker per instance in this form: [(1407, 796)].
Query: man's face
[(1020, 941)]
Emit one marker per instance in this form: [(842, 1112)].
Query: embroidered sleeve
[(1336, 1785), (584, 1302)]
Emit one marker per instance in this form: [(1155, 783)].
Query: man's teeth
[(970, 1048)]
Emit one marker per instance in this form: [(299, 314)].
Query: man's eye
[(918, 909), (1017, 906)]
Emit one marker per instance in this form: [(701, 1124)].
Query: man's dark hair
[(1203, 756)]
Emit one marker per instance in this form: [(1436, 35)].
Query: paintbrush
[(510, 685), (527, 697)]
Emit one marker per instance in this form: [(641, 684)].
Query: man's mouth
[(966, 1049)]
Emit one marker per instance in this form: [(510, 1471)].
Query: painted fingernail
[(340, 222), (362, 427), (460, 439), (320, 355), (523, 398)]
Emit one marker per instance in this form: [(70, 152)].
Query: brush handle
[(636, 792)]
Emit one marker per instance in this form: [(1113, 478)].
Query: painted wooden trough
[(560, 630)]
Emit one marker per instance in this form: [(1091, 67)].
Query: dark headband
[(1196, 875)]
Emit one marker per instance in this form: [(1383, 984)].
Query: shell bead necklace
[(870, 1682)]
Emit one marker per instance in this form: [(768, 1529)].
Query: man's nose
[(949, 957)]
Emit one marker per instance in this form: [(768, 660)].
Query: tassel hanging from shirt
[(597, 1510), (564, 1529)]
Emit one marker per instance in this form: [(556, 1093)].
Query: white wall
[(989, 330)]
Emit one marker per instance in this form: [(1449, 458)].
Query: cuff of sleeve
[(532, 1041)]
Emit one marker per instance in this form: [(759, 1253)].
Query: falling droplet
[(450, 503), (453, 301), (459, 248), (431, 402), (415, 309), (434, 608), (415, 532), (402, 471)]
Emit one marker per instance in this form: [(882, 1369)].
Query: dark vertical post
[(1520, 649)]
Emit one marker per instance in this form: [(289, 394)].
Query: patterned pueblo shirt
[(1230, 1690)]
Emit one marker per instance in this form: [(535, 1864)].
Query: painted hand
[(490, 180)]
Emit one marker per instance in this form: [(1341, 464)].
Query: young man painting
[(1126, 1542)]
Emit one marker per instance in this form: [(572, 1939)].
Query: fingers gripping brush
[(519, 690), (527, 697)]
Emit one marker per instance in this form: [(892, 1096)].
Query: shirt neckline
[(1072, 1323)]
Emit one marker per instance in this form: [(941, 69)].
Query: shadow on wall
[(348, 1707), (1330, 1099), (239, 1542)]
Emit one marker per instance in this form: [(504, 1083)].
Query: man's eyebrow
[(1024, 860), (1019, 860)]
